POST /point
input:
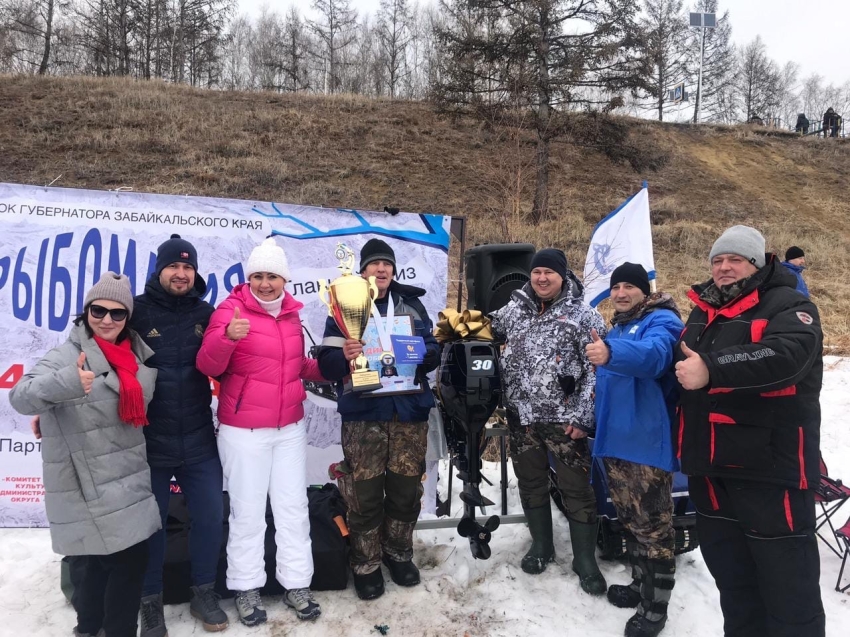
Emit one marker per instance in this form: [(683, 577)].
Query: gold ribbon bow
[(453, 325)]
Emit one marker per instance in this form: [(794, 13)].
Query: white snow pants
[(258, 463)]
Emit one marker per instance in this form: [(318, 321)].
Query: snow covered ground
[(458, 595)]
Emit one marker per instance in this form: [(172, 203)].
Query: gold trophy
[(349, 300)]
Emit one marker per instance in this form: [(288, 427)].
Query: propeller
[(479, 535)]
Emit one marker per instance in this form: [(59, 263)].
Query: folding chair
[(830, 494), (843, 536)]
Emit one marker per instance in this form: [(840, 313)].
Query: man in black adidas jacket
[(750, 362), (171, 318)]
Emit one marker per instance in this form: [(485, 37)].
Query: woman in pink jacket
[(255, 345)]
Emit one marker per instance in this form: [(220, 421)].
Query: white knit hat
[(268, 257)]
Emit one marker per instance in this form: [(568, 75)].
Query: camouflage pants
[(530, 447), (643, 497), (383, 489)]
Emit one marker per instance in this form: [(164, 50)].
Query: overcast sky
[(813, 33)]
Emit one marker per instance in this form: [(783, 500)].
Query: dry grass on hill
[(364, 153)]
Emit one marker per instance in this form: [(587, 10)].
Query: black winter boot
[(402, 573), (370, 585), (628, 596), (542, 549), (583, 539), (658, 578)]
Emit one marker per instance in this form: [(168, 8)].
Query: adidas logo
[(153, 333)]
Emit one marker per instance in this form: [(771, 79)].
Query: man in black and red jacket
[(750, 364)]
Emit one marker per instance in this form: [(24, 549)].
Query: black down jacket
[(181, 426), (759, 417)]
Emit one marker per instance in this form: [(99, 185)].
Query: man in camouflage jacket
[(384, 438), (548, 384)]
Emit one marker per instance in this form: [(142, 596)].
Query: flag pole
[(652, 284)]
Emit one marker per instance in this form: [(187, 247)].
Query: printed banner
[(56, 242)]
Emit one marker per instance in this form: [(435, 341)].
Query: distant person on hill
[(749, 362), (795, 260), (831, 123), (802, 124)]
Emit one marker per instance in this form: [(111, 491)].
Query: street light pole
[(701, 21), (699, 80)]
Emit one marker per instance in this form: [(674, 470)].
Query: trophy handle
[(373, 288), (324, 294)]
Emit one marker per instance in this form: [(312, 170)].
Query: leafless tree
[(664, 49), (294, 53), (336, 28), (394, 37), (756, 81)]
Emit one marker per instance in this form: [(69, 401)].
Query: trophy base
[(361, 381)]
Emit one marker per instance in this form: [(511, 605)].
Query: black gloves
[(430, 360), (429, 363)]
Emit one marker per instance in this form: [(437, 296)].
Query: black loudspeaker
[(493, 271)]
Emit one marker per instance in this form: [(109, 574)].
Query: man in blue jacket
[(384, 438), (635, 401), (171, 318), (795, 260)]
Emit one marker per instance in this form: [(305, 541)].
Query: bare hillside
[(363, 153)]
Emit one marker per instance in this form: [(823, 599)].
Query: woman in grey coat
[(91, 394)]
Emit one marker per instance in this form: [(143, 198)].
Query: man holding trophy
[(384, 432)]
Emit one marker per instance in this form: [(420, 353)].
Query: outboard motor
[(469, 390)]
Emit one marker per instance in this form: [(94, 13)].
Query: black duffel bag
[(327, 531)]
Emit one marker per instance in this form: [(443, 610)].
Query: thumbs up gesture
[(597, 351), (238, 327), (691, 372), (86, 377)]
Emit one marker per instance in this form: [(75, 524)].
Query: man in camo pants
[(384, 439), (635, 400), (548, 384)]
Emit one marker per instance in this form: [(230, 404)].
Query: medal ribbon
[(384, 326)]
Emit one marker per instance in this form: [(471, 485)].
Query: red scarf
[(131, 398)]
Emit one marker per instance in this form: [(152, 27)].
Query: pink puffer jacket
[(261, 374)]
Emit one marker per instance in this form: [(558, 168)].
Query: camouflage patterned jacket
[(544, 356)]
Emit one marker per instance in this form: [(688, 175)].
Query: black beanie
[(794, 253), (175, 250), (633, 273), (551, 258), (377, 250)]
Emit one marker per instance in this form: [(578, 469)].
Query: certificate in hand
[(399, 376)]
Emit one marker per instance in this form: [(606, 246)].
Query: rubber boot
[(583, 539), (658, 578), (628, 596), (542, 549)]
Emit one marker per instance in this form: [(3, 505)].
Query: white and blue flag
[(624, 235)]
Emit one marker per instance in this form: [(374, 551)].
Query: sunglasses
[(99, 312)]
